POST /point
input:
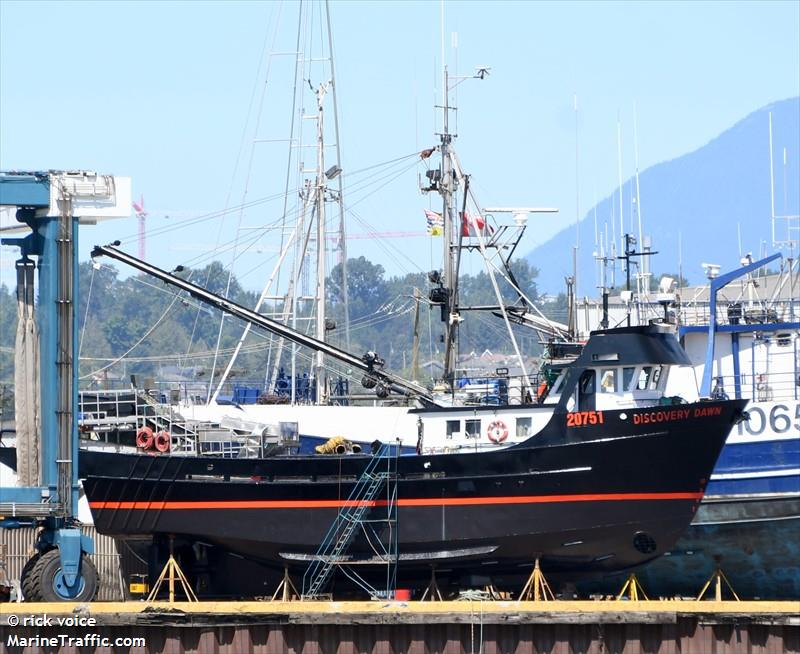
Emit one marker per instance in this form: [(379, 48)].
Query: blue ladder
[(351, 515)]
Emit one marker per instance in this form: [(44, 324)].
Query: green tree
[(366, 287)]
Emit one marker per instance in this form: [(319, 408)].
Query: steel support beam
[(716, 284)]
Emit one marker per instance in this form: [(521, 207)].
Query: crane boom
[(369, 363)]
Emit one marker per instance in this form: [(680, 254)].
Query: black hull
[(586, 500)]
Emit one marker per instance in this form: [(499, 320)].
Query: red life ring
[(144, 438), (497, 431), (162, 441)]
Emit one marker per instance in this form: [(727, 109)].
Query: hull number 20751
[(583, 418)]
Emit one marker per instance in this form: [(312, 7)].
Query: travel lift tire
[(25, 575), (45, 581)]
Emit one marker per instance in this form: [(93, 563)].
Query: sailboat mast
[(319, 359), (450, 274)]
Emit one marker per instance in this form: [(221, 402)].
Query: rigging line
[(205, 258), (289, 311), (390, 175), (521, 293), (258, 304), (196, 320), (384, 163), (388, 248), (242, 141), (378, 553), (191, 339), (219, 336), (378, 173), (488, 329), (372, 319), (316, 13), (308, 359), (243, 138), (289, 151), (248, 174), (138, 279), (383, 185), (398, 303), (490, 265), (491, 326), (382, 243), (173, 226), (86, 314), (207, 354), (380, 320), (387, 307), (137, 343), (250, 271)]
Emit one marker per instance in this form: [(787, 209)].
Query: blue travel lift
[(49, 207)]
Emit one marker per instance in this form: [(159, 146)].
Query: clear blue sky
[(161, 92)]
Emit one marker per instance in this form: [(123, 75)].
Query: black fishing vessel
[(601, 472), (596, 489)]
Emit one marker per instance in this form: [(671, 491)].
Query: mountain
[(702, 199)]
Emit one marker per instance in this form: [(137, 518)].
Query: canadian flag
[(471, 226)]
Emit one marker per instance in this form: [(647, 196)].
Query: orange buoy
[(162, 441), (144, 438)]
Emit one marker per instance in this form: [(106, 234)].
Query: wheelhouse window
[(655, 377), (627, 378), (645, 374), (556, 389), (608, 380), (586, 391), (586, 382), (453, 427), (472, 428)]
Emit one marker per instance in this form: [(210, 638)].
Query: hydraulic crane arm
[(369, 363)]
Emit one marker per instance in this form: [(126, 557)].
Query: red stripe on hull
[(423, 501)]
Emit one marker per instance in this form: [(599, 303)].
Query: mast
[(415, 346), (643, 273), (306, 232), (623, 242), (340, 193), (450, 274), (319, 359)]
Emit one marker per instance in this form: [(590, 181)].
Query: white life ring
[(497, 431)]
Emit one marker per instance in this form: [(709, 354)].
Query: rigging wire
[(289, 157), (137, 343), (358, 171), (383, 178), (248, 174), (86, 314), (196, 220)]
